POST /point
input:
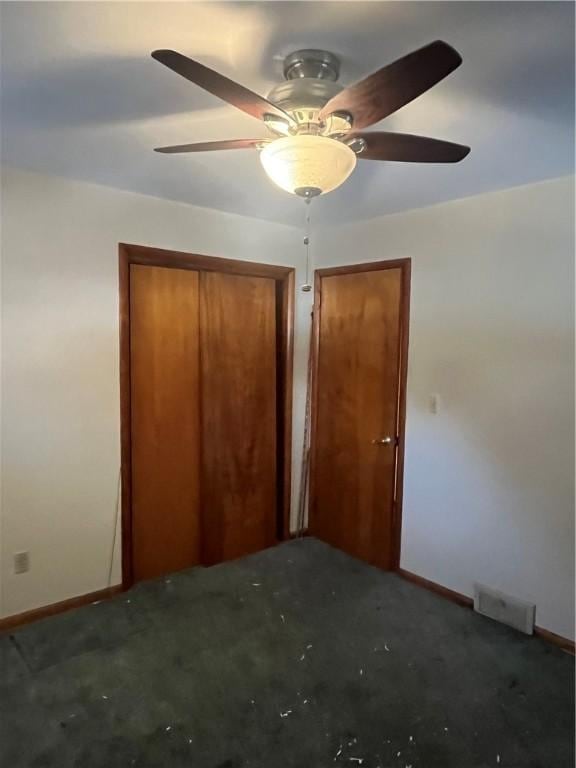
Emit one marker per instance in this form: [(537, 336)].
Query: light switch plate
[(21, 562)]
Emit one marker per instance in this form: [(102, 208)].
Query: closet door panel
[(238, 406), (165, 419)]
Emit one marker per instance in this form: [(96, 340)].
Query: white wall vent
[(508, 610)]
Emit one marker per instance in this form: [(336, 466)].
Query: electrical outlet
[(21, 562)]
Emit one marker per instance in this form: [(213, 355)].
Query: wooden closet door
[(238, 396), (356, 421), (165, 419)]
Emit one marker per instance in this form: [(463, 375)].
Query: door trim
[(405, 266), (284, 276)]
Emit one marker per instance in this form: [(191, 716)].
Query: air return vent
[(508, 610)]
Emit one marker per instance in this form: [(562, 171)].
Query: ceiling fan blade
[(210, 146), (395, 85), (406, 148), (220, 86)]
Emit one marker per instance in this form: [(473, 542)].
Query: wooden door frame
[(284, 277), (405, 266)]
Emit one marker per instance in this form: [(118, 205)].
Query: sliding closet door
[(238, 406), (165, 428)]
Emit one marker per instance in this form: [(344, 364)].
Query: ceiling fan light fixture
[(305, 162)]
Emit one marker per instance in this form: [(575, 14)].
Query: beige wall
[(489, 479), (60, 377)]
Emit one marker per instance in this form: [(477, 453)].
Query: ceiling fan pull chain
[(307, 287)]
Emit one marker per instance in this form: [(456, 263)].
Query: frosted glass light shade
[(298, 163)]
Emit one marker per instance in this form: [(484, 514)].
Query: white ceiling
[(82, 98)]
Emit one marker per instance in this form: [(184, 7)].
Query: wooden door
[(165, 419), (239, 408), (206, 387), (357, 424)]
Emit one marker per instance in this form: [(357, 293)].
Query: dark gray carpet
[(297, 656)]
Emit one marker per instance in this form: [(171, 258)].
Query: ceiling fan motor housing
[(312, 62), (310, 83)]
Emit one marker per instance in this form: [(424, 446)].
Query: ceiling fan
[(316, 126)]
